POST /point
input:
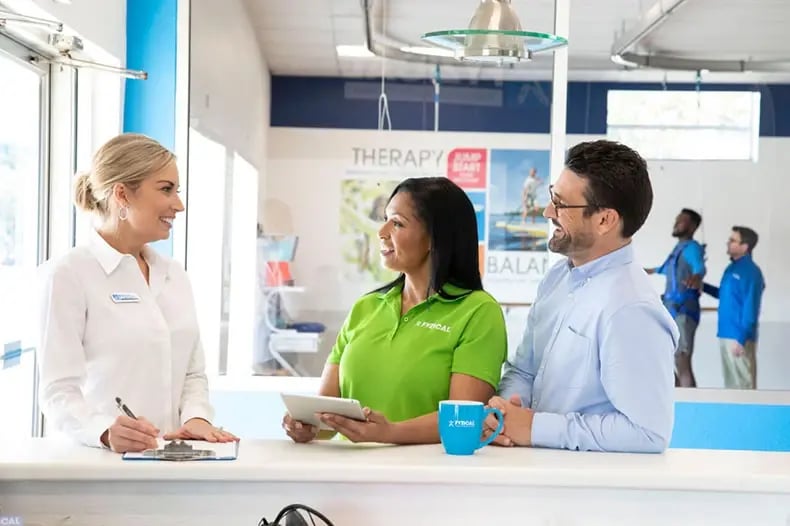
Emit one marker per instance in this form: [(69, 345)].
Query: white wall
[(229, 119), (303, 185), (230, 81)]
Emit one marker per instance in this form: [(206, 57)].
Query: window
[(686, 125), (223, 194), (22, 178)]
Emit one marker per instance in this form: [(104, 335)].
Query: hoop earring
[(123, 213)]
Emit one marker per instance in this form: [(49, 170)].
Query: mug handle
[(498, 430)]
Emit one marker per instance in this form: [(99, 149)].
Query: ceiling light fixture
[(495, 36)]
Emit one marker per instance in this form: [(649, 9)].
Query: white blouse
[(105, 332)]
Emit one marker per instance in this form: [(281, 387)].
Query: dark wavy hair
[(449, 218), (617, 178)]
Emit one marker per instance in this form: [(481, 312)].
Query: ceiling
[(726, 30), (299, 37)]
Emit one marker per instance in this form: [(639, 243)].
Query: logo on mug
[(461, 423)]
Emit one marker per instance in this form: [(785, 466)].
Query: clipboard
[(187, 450)]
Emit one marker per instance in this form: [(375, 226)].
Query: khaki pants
[(740, 372)]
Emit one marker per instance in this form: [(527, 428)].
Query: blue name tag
[(125, 297)]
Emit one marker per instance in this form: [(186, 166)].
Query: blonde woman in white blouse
[(118, 319)]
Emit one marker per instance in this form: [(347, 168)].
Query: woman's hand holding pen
[(199, 429), (130, 434)]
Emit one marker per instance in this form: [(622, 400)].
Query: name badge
[(125, 297)]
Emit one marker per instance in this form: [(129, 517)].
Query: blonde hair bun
[(83, 193)]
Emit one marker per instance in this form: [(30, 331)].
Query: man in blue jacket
[(686, 263), (740, 294)]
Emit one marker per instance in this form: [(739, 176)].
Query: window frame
[(753, 128), (28, 58)]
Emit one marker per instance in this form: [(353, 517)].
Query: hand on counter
[(375, 429), (199, 429), (130, 435), (518, 422)]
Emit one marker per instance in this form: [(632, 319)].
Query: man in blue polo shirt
[(686, 263), (740, 294)]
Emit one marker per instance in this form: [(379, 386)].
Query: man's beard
[(568, 244)]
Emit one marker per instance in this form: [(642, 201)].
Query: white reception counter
[(53, 482)]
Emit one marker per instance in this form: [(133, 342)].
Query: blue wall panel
[(150, 105), (485, 106), (701, 425)]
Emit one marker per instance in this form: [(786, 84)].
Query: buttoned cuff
[(549, 430), (197, 410)]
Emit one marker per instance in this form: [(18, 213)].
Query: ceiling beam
[(653, 17), (624, 49)]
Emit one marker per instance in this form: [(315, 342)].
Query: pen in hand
[(128, 412), (123, 408)]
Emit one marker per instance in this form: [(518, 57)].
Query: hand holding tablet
[(305, 409)]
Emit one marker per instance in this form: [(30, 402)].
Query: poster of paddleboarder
[(518, 192)]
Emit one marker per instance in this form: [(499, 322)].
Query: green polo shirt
[(401, 365)]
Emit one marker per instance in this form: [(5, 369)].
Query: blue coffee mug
[(461, 426)]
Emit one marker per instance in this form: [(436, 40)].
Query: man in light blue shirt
[(595, 369)]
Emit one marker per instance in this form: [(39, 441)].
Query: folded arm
[(637, 368)]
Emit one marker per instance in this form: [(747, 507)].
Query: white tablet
[(304, 408)]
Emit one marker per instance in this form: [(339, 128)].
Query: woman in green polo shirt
[(432, 334)]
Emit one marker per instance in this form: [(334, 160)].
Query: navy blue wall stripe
[(483, 106), (150, 105)]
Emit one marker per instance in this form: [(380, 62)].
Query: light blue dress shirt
[(596, 363)]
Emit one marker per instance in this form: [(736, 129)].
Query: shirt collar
[(395, 292), (746, 258), (109, 258), (618, 258)]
